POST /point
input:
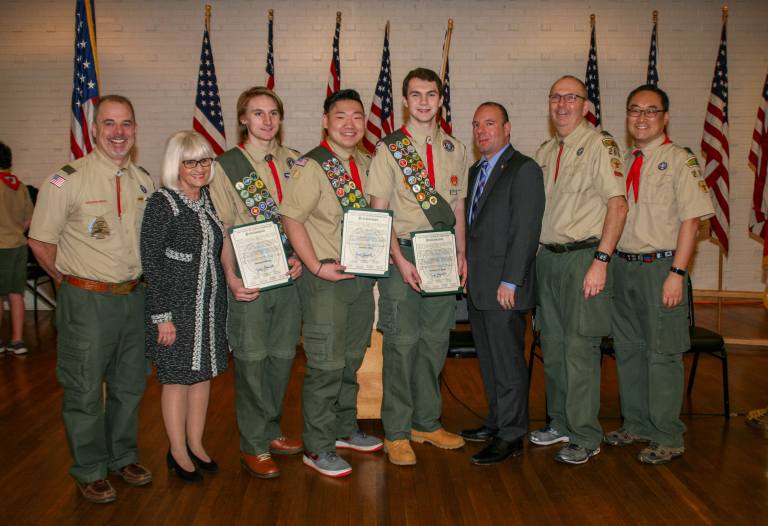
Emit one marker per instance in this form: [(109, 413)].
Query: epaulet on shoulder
[(144, 170), (607, 134), (545, 142), (295, 152)]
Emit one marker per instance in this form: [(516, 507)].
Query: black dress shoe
[(208, 467), (479, 434), (498, 450), (183, 474)]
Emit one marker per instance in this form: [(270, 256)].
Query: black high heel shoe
[(209, 467), (183, 474)]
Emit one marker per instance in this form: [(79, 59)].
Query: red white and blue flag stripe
[(758, 161), (270, 53), (85, 85), (208, 119), (334, 75), (381, 120), (593, 84)]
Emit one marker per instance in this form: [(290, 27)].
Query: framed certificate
[(434, 255), (365, 242), (260, 255)]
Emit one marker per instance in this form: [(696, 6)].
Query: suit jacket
[(503, 239)]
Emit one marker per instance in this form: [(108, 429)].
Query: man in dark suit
[(506, 196)]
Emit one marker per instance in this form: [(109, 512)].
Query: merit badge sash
[(252, 190), (347, 192), (439, 213)]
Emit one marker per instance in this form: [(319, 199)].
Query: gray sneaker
[(573, 454), (658, 454), (17, 347), (359, 441), (622, 437), (328, 463), (547, 436)]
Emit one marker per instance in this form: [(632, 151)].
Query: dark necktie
[(479, 187)]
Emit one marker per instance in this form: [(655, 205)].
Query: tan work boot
[(400, 452), (439, 438)]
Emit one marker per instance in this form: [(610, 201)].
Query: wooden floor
[(721, 479)]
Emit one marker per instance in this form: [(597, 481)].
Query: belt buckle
[(648, 258)]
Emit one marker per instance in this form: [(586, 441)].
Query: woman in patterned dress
[(186, 302)]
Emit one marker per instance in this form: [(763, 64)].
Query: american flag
[(593, 83), (208, 119), (714, 146), (381, 120), (758, 161), (85, 88), (445, 114), (653, 74), (334, 75), (270, 54)]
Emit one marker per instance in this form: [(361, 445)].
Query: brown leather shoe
[(261, 466), (135, 474), (286, 446), (438, 438), (400, 452), (98, 491)]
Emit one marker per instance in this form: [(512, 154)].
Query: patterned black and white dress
[(181, 244)]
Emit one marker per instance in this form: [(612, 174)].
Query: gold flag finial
[(725, 13), (271, 14), (338, 16), (450, 23), (655, 16), (592, 20), (208, 16)]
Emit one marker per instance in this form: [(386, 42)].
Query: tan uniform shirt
[(226, 199), (672, 190), (590, 174), (77, 210), (387, 181), (310, 199), (15, 211)]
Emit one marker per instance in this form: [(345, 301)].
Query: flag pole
[(446, 48), (207, 17), (721, 255)]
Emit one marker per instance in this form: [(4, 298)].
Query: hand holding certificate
[(435, 259), (260, 255), (365, 242)]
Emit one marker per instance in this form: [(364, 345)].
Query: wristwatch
[(677, 270), (602, 256)]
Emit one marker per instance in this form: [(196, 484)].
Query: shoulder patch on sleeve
[(691, 161), (301, 161)]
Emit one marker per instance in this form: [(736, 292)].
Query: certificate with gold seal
[(434, 255), (365, 242), (260, 255)]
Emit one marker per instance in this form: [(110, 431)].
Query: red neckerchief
[(430, 160), (633, 177), (272, 168)]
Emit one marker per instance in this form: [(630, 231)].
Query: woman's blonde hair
[(183, 145)]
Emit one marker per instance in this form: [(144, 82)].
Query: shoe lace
[(264, 456)]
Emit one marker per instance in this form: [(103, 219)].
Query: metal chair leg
[(691, 378)]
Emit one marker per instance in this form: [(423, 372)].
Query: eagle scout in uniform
[(667, 198), (419, 173), (583, 217), (15, 215), (85, 234), (263, 326), (337, 308)]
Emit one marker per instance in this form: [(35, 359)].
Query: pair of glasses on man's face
[(570, 98), (192, 163), (649, 113)]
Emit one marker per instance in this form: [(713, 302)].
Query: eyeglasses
[(570, 98), (192, 163), (649, 113)]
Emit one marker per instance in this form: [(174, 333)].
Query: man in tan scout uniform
[(667, 198), (263, 327), (85, 234), (15, 215), (419, 173), (583, 217), (337, 308)]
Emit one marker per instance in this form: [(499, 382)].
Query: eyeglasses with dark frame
[(205, 162), (649, 113), (570, 98)]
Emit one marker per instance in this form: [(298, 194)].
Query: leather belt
[(125, 287), (572, 247), (404, 242), (646, 258)]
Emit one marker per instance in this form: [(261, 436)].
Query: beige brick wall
[(509, 51)]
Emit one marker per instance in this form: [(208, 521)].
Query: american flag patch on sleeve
[(58, 180)]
